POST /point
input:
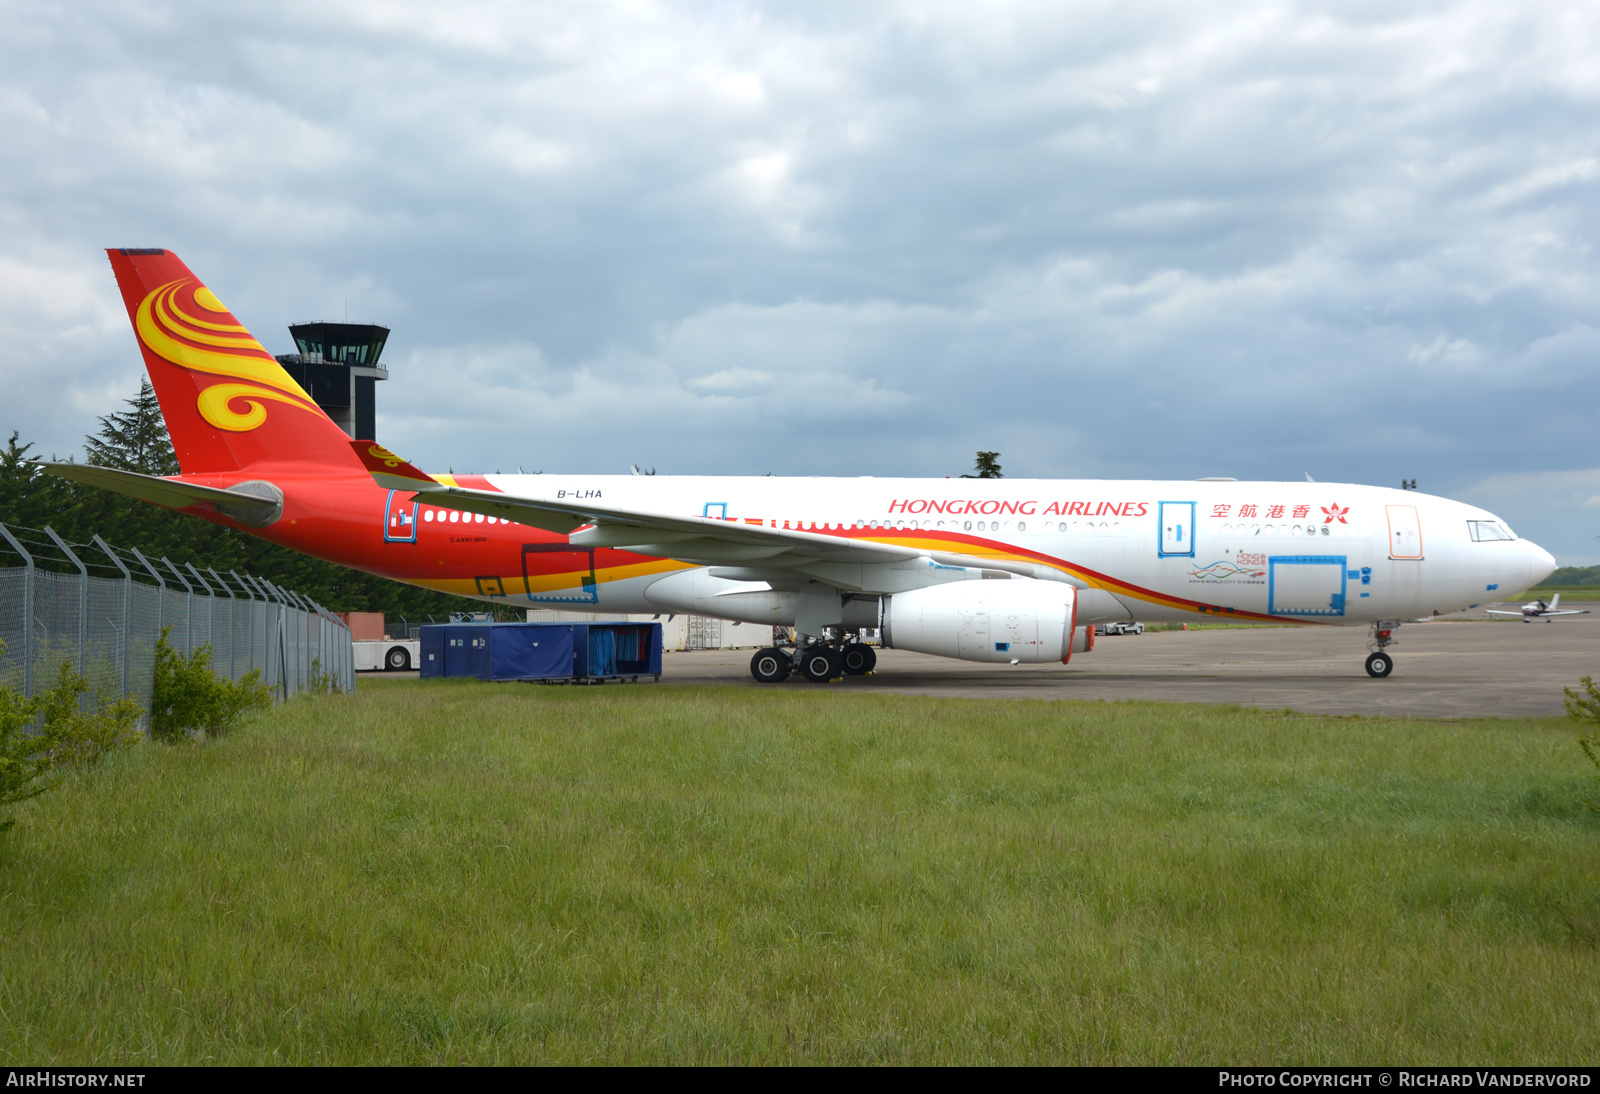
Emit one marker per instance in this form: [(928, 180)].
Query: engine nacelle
[(1017, 620)]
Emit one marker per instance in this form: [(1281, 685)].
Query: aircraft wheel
[(858, 659), (1379, 665), (398, 659), (770, 666), (819, 664)]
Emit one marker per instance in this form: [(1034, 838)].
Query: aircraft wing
[(1568, 611), (1491, 611), (704, 541)]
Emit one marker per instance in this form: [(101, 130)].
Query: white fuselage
[(1151, 550)]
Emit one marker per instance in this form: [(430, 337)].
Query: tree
[(135, 440), (27, 495), (987, 466)]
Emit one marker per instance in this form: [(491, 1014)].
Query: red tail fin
[(227, 403)]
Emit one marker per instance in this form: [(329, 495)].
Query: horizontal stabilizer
[(390, 471), (257, 504)]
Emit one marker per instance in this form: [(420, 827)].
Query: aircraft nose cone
[(1541, 564)]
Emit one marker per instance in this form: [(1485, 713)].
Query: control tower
[(338, 367)]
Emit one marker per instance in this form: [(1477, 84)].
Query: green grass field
[(438, 872)]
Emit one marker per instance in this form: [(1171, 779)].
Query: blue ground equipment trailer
[(573, 652)]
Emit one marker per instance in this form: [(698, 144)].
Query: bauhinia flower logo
[(1333, 513)]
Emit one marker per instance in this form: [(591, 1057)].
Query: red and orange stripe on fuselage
[(341, 517)]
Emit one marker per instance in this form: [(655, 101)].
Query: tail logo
[(389, 459), (183, 322)]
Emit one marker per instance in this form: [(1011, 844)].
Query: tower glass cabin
[(338, 366)]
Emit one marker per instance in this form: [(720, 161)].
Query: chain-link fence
[(102, 608)]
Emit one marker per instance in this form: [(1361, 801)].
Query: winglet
[(390, 471)]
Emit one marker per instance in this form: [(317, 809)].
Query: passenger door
[(1405, 532), (1177, 528), (400, 517)]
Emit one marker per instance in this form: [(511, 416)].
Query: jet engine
[(1017, 620)]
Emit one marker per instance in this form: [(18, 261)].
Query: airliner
[(988, 570)]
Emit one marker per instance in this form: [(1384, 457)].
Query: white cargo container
[(699, 632)]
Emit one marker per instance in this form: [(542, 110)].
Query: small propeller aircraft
[(1540, 610)]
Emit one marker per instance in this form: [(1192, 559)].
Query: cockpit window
[(1489, 531)]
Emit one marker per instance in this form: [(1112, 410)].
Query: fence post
[(266, 600), (324, 653), (127, 610), (161, 601), (211, 608), (211, 611), (270, 592), (27, 612), (252, 598), (283, 647), (321, 625), (334, 627), (83, 605), (302, 627), (233, 625), (188, 604), (290, 622)]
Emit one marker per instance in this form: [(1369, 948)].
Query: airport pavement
[(1446, 669)]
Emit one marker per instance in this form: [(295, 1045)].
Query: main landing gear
[(1379, 662), (819, 662), (859, 659), (770, 666)]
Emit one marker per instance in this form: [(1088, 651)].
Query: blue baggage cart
[(572, 652), (455, 650)]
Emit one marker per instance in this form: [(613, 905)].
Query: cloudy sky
[(1107, 240)]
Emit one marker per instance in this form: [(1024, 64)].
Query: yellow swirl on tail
[(257, 367), (214, 405)]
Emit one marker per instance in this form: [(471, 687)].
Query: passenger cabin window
[(1489, 531)]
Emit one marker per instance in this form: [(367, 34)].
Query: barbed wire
[(47, 555)]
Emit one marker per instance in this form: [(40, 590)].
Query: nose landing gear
[(1380, 663)]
